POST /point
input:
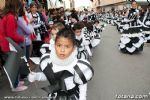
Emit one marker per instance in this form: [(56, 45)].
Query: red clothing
[(8, 28)]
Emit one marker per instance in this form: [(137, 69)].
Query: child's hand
[(32, 77)]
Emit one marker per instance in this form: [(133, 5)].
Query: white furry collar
[(64, 62)]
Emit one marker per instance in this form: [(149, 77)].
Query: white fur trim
[(63, 62)]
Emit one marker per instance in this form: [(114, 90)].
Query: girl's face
[(78, 32), (96, 23), (34, 9), (64, 47), (134, 5)]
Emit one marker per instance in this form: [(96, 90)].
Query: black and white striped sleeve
[(83, 72)]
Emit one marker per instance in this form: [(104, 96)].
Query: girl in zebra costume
[(46, 48), (39, 28), (97, 29), (37, 22), (67, 75), (132, 40), (82, 41)]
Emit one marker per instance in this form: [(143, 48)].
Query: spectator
[(25, 29), (8, 28), (39, 28)]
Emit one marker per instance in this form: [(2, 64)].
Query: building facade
[(111, 4), (116, 4)]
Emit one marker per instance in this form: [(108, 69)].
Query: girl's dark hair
[(10, 6), (21, 10), (66, 33), (58, 25), (89, 26), (74, 15), (40, 6), (96, 21), (133, 1), (33, 4), (78, 26)]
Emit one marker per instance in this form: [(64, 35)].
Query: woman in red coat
[(8, 28), (8, 24)]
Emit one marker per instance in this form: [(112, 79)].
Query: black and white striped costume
[(40, 31), (132, 40), (82, 16), (83, 44), (38, 25), (68, 78), (115, 19), (46, 48), (96, 35), (120, 23), (92, 17), (146, 26)]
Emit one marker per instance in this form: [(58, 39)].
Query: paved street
[(116, 74)]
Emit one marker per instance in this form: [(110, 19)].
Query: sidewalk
[(34, 91)]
